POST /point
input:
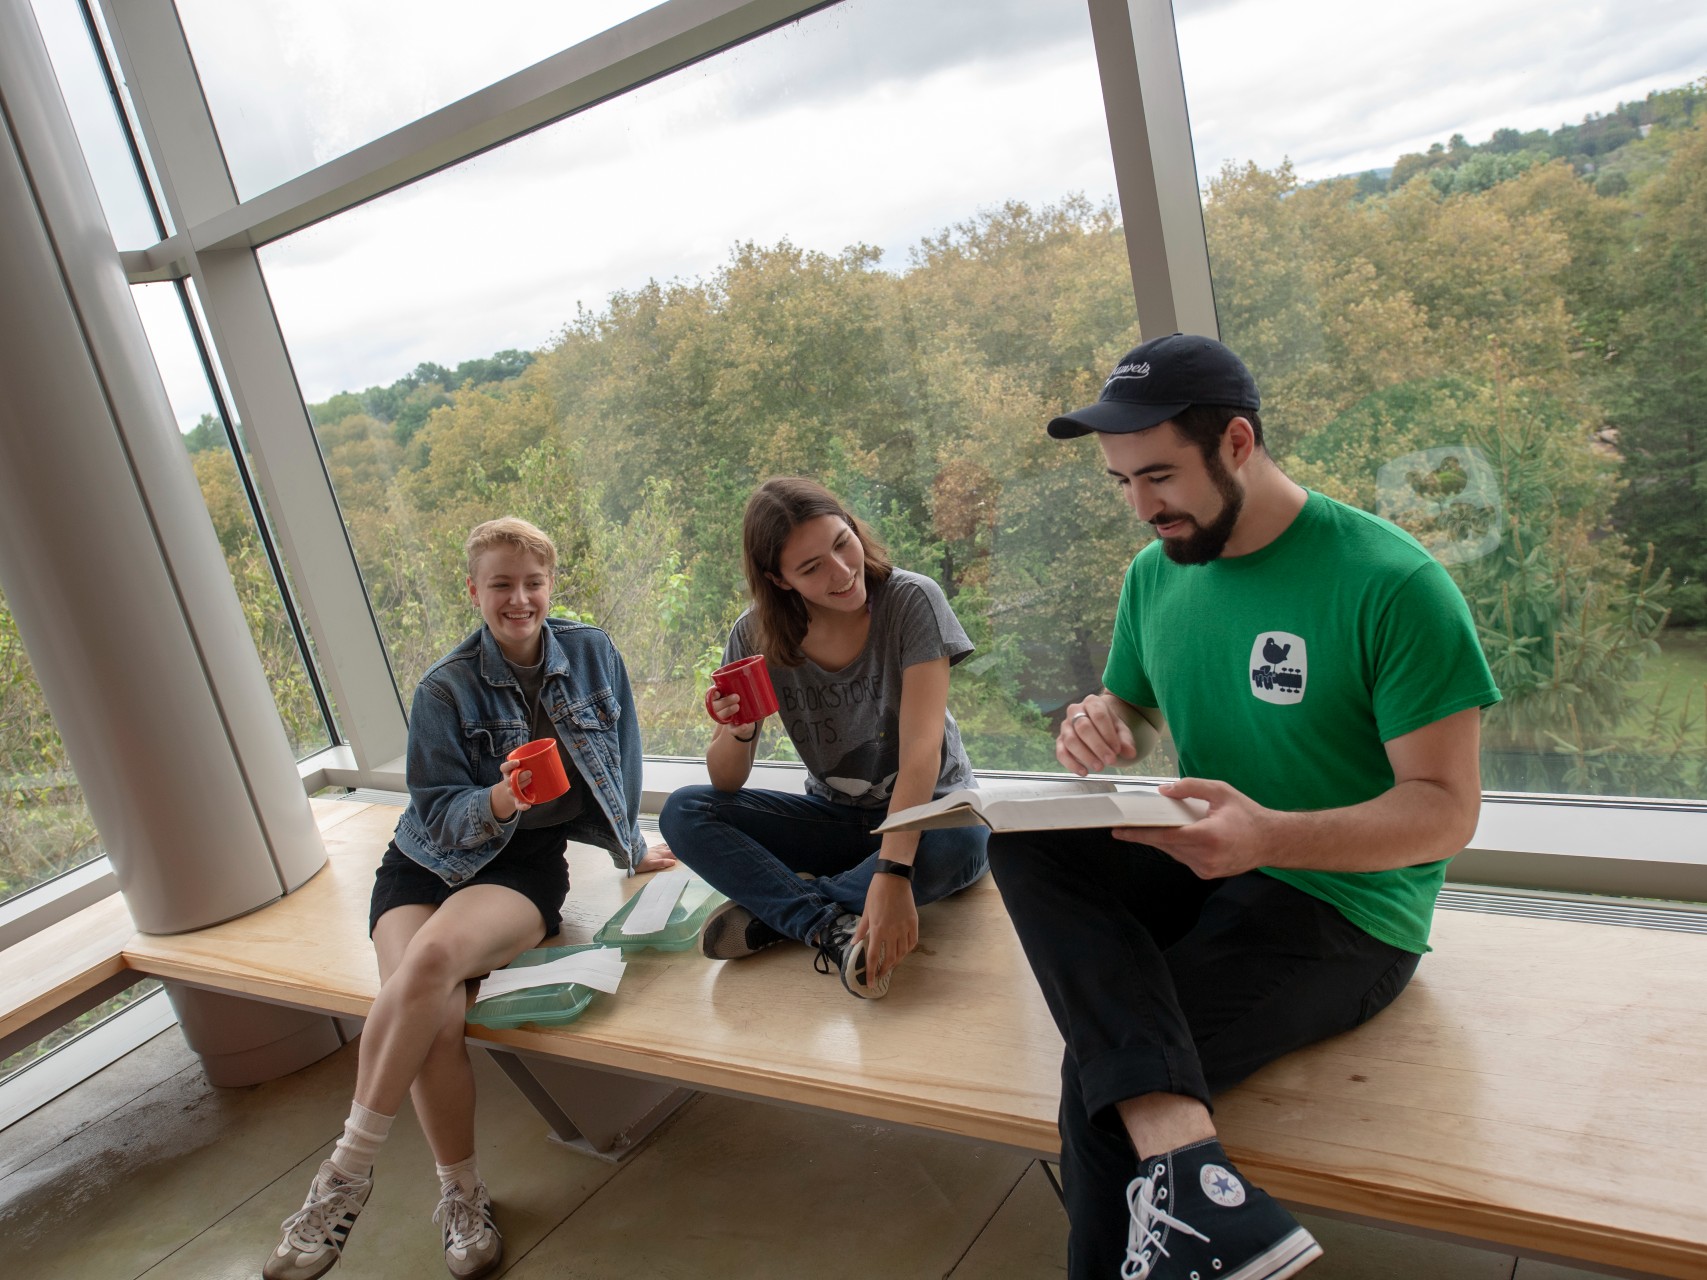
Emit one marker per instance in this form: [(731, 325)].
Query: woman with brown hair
[(859, 653)]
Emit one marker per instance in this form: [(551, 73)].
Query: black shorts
[(532, 864)]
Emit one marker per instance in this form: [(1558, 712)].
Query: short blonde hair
[(514, 532)]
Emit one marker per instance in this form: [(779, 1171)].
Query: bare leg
[(424, 963), (1161, 1122)]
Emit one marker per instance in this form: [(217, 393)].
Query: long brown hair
[(775, 510)]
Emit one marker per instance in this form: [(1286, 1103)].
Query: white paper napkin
[(657, 900), (601, 970)]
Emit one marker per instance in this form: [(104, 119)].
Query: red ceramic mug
[(542, 761), (748, 678)]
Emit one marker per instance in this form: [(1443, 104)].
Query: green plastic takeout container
[(550, 1006), (680, 932)]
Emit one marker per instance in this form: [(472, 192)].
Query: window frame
[(1564, 843)]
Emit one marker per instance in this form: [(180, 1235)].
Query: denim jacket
[(469, 714)]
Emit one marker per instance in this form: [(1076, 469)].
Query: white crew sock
[(363, 1133), (464, 1175)]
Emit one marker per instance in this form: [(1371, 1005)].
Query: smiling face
[(511, 586), (1193, 502), (824, 561)]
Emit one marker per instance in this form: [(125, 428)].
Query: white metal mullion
[(647, 46), (282, 449), (1155, 169)]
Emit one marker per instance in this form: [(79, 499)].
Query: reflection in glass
[(1462, 316), (229, 504), (856, 248), (296, 83), (98, 127)]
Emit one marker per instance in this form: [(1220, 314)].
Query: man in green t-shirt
[(1323, 682)]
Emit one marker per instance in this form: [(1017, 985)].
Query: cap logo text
[(1129, 371)]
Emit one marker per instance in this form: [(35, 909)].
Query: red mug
[(751, 680), (544, 763)]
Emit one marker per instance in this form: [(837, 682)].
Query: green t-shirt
[(1283, 672)]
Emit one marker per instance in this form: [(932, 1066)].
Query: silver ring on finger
[(1082, 715)]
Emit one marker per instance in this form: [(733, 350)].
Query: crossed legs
[(413, 1040)]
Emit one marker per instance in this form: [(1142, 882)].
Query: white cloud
[(1343, 87), (875, 121), (660, 184)]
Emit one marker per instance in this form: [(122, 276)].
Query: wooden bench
[(64, 970), (1539, 1089)]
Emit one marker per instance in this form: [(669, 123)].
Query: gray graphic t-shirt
[(846, 724)]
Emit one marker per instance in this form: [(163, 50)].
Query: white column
[(108, 557)]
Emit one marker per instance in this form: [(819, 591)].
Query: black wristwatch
[(902, 869)]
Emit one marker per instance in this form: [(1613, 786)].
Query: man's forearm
[(1414, 822)]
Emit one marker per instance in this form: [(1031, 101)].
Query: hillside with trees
[(1503, 305), (1502, 345)]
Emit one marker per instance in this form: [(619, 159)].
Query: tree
[(1658, 374)]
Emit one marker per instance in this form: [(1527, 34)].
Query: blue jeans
[(752, 845)]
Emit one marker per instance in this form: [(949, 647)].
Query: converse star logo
[(1222, 1186)]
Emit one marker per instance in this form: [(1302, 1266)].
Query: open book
[(1047, 806)]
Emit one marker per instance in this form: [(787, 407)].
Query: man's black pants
[(1162, 982)]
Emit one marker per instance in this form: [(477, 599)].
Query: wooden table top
[(1541, 1085)]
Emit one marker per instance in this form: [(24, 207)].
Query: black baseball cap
[(1158, 380)]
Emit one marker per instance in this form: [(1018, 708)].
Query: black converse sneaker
[(732, 931), (314, 1235), (837, 950), (1195, 1218)]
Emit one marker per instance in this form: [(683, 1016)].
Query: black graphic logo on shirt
[(1279, 667), (852, 775)]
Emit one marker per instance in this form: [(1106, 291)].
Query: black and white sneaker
[(314, 1235), (1195, 1218), (838, 951), (732, 931), (473, 1247)]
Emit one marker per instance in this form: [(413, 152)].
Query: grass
[(1674, 680)]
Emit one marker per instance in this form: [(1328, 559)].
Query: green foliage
[(1534, 305), (44, 826), (1591, 147), (1464, 319), (209, 433), (1655, 371)]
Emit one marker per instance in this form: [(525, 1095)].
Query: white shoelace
[(312, 1224), (462, 1216), (1147, 1219)]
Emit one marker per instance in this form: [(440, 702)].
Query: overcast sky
[(876, 121)]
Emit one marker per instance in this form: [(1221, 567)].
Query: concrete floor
[(146, 1170)]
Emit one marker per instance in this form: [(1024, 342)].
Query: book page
[(964, 808), (1027, 789), (1118, 809)]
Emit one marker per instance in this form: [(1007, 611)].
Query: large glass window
[(876, 247), (89, 101), (233, 506), (1473, 287), (45, 826), (296, 83)]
